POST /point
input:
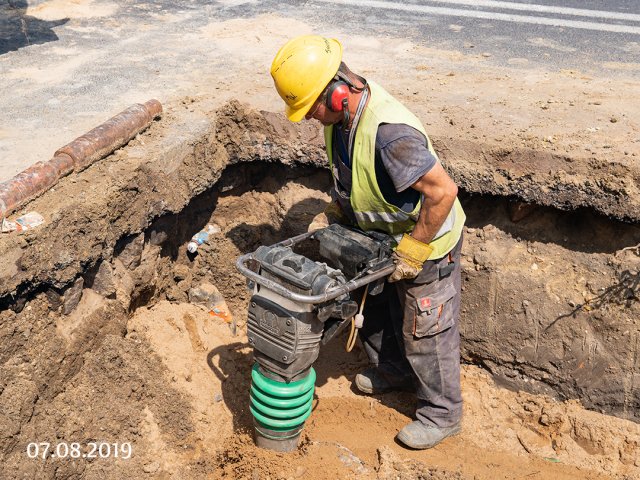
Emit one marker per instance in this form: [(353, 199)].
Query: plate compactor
[(297, 305)]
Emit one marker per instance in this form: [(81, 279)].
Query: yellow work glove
[(331, 214), (410, 255)]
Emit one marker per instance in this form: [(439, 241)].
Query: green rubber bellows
[(279, 407)]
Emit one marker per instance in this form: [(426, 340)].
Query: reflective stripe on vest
[(387, 217), (371, 209)]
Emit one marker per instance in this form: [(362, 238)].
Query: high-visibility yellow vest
[(372, 211)]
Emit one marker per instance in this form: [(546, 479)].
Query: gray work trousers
[(411, 331)]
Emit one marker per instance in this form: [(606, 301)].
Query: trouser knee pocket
[(433, 310)]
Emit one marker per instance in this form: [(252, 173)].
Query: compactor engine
[(297, 305)]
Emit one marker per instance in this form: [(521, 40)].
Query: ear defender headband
[(338, 94)]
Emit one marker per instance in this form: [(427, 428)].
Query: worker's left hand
[(409, 256)]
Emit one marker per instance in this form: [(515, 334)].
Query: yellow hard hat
[(302, 69)]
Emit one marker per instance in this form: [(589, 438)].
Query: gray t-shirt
[(402, 157)]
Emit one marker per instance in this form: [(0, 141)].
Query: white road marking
[(576, 12), (456, 12)]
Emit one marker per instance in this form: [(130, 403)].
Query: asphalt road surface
[(589, 35), (564, 34)]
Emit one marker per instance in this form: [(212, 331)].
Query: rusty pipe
[(33, 181), (77, 155), (111, 135)]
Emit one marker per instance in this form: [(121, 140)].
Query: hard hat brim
[(297, 115)]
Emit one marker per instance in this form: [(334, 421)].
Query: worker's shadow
[(232, 363), (17, 29)]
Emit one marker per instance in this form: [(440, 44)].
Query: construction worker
[(387, 177)]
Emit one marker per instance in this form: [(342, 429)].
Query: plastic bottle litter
[(209, 297), (202, 237), (27, 221)]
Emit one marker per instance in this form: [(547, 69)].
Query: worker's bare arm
[(439, 194)]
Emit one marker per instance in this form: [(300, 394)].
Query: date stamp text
[(76, 450)]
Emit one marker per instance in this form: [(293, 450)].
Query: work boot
[(373, 381), (420, 436)]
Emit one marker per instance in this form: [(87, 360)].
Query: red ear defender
[(337, 96)]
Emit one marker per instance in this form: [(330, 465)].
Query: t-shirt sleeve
[(404, 154)]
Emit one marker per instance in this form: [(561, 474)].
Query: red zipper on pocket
[(415, 318)]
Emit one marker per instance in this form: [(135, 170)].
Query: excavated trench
[(107, 335)]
